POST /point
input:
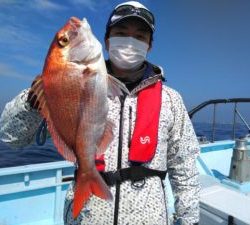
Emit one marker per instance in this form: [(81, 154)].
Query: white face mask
[(127, 52)]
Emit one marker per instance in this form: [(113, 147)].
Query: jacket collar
[(151, 75)]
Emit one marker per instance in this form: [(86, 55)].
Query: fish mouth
[(75, 21)]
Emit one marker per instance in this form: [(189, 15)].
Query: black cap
[(131, 9)]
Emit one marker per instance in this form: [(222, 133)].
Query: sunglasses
[(126, 10)]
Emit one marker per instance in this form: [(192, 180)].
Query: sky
[(202, 45)]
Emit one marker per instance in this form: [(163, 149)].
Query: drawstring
[(41, 134)]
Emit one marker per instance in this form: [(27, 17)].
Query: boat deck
[(222, 199)]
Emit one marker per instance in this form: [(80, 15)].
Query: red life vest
[(145, 135)]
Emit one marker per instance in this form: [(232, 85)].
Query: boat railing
[(215, 103)]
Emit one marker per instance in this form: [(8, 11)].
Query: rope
[(41, 134)]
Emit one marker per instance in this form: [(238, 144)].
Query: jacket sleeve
[(19, 122), (183, 150)]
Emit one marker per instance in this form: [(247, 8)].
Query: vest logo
[(145, 140)]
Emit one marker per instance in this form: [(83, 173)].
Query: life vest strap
[(133, 173)]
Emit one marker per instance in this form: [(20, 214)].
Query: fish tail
[(87, 184)]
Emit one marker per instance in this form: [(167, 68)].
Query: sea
[(33, 154)]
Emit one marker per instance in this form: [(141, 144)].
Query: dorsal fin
[(37, 97)]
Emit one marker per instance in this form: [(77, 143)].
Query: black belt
[(134, 173)]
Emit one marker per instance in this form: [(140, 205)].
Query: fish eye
[(63, 40)]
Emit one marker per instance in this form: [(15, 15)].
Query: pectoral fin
[(116, 87)]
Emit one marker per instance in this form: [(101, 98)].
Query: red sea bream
[(71, 94)]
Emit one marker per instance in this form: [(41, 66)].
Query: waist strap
[(134, 173)]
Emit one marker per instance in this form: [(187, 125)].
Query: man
[(153, 135)]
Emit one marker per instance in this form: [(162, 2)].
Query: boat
[(224, 168), (34, 194)]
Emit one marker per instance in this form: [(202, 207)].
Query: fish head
[(86, 47), (74, 43)]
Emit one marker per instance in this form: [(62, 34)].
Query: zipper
[(119, 160), (129, 126)]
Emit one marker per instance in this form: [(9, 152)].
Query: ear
[(107, 44)]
